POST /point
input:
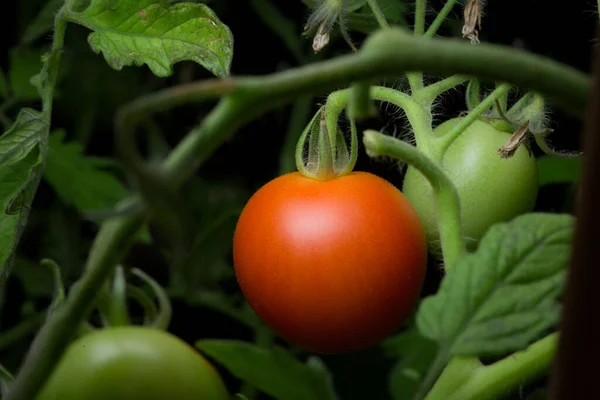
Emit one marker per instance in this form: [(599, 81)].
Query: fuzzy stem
[(448, 203), (378, 13), (440, 18)]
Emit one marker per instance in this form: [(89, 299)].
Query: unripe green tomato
[(491, 189), (133, 363)]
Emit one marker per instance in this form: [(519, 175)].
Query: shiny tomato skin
[(132, 363), (331, 266)]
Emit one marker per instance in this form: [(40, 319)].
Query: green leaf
[(504, 296), (151, 32), (77, 180), (24, 64), (558, 170), (20, 172), (43, 23), (416, 355), (274, 371)]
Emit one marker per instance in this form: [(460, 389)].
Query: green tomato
[(133, 362), (491, 189)]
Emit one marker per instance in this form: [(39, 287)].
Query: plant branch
[(420, 17), (445, 141), (360, 106), (501, 378), (440, 18), (446, 196), (384, 53), (378, 13), (431, 92)]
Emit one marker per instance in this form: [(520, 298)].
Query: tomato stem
[(431, 92), (163, 318), (117, 310), (453, 245), (500, 378), (445, 141), (440, 18), (378, 13), (360, 106)]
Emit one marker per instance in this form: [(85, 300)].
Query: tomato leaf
[(78, 182), (131, 32), (21, 161), (416, 354), (42, 24), (24, 64), (504, 296), (273, 371), (558, 170)]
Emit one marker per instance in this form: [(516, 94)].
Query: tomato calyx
[(527, 118), (322, 154)]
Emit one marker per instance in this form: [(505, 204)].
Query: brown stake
[(575, 374)]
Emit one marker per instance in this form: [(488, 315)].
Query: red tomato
[(331, 266)]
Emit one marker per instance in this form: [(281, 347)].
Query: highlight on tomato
[(331, 265)]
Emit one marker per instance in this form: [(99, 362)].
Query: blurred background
[(203, 286)]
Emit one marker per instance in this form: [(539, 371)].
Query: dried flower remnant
[(473, 13), (323, 19)]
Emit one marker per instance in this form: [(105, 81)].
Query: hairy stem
[(378, 13), (420, 17), (446, 196), (360, 106), (431, 92), (417, 115), (440, 18), (445, 141)]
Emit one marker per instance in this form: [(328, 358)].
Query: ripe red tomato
[(132, 362), (331, 266)]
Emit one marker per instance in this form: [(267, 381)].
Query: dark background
[(562, 30)]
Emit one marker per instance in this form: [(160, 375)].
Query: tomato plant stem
[(118, 315), (445, 141), (420, 17), (418, 116), (378, 13), (446, 196), (499, 379), (440, 18), (360, 106), (431, 92)]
